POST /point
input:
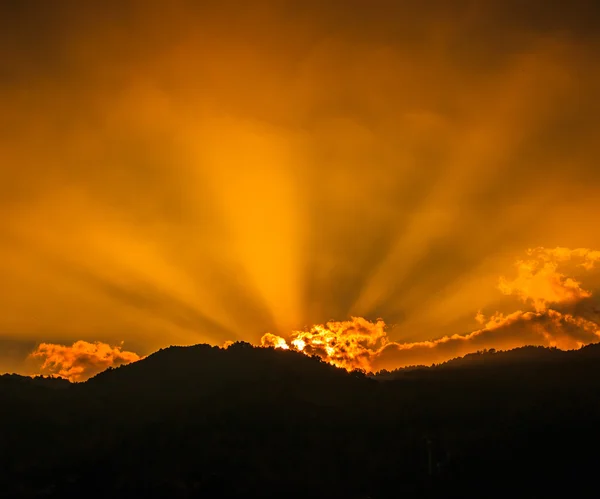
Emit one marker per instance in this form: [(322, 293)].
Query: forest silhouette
[(246, 421)]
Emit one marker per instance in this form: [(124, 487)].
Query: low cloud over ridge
[(359, 343), (363, 344), (81, 360)]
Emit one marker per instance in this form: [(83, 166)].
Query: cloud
[(560, 254), (349, 344), (272, 340), (359, 343), (542, 285), (550, 328), (539, 282), (203, 171), (364, 344), (81, 360)]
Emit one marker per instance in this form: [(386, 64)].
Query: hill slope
[(205, 422)]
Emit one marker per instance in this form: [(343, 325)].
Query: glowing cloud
[(214, 170), (559, 254), (272, 340), (550, 328), (344, 345), (348, 344), (362, 344), (81, 360), (359, 343), (539, 282)]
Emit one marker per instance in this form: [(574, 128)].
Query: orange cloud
[(349, 344), (550, 328), (272, 340), (560, 254), (359, 343), (539, 282), (81, 360)]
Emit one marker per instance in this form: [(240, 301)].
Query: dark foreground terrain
[(251, 422)]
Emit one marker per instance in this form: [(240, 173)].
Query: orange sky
[(183, 172)]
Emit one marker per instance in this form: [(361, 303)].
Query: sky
[(185, 172)]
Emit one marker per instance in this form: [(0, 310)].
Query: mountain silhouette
[(203, 421), (491, 358)]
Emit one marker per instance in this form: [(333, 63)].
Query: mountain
[(202, 421), (17, 382), (526, 356)]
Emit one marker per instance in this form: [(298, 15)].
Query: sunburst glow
[(184, 172)]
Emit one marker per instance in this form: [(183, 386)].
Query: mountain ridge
[(204, 421)]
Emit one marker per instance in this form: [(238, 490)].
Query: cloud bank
[(363, 344), (359, 343), (539, 283), (81, 360)]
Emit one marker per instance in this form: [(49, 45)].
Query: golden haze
[(563, 317), (360, 344), (183, 172)]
